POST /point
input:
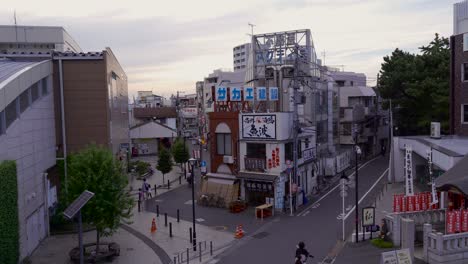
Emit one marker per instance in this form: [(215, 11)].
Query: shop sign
[(368, 216), (409, 171), (235, 94), (259, 126), (308, 154)]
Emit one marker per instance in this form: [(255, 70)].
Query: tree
[(164, 162), (95, 169), (180, 152), (418, 85)]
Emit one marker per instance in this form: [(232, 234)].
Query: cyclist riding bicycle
[(302, 254)]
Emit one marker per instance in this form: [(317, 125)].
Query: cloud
[(169, 45)]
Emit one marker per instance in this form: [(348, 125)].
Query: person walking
[(146, 187)]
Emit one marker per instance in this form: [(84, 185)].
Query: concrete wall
[(30, 141)]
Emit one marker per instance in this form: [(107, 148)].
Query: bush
[(9, 229), (142, 167), (380, 243)]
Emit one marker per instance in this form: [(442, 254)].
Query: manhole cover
[(260, 235)]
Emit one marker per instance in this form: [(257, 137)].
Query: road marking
[(368, 191), (334, 188), (200, 220), (189, 202), (315, 206), (349, 207), (306, 213)]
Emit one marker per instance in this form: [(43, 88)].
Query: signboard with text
[(417, 202), (234, 94), (368, 216), (308, 154), (259, 126)]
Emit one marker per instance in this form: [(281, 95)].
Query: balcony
[(255, 164)]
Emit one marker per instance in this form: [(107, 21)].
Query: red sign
[(417, 202), (411, 203), (464, 221), (423, 200), (450, 222), (457, 221)]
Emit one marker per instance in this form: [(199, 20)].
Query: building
[(241, 55), (148, 99), (27, 136), (95, 102), (187, 114), (36, 39)]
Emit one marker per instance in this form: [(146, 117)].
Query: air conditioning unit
[(228, 159), (435, 130)]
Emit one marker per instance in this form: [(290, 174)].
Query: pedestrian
[(146, 187), (383, 230)]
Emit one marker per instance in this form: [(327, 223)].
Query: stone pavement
[(54, 249), (137, 243)]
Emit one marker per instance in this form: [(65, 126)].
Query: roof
[(152, 129), (256, 176), (456, 177), (453, 146), (10, 67), (155, 112)]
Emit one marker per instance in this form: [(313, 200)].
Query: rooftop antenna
[(251, 29), (16, 29), (324, 54)]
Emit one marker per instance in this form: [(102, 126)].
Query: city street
[(318, 226)]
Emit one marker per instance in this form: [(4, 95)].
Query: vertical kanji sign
[(409, 171)]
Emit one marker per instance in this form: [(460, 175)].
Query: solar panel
[(76, 205)]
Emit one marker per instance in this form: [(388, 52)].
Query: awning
[(221, 178), (257, 176)]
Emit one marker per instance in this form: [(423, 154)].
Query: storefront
[(256, 188)]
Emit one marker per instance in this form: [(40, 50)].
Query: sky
[(167, 46)]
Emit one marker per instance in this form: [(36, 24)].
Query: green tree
[(180, 152), (418, 85), (95, 169), (164, 162)]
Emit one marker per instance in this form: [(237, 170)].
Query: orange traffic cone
[(239, 232), (153, 226)]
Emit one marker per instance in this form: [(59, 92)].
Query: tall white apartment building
[(240, 55)]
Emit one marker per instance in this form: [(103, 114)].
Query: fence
[(440, 248)]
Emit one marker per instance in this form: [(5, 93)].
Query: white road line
[(311, 206), (368, 191), (306, 213)]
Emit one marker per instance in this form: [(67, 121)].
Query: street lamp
[(192, 164), (186, 134)]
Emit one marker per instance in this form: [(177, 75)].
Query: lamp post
[(192, 164), (357, 151)]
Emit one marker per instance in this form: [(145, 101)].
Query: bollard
[(199, 249), (168, 184), (170, 229), (155, 190), (211, 248), (180, 179), (157, 210), (165, 219), (139, 206), (190, 233), (175, 260), (187, 255), (178, 216)]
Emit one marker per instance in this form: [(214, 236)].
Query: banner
[(464, 221), (434, 194), (450, 222), (415, 203), (457, 221), (409, 171)]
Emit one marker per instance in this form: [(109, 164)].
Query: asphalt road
[(318, 227)]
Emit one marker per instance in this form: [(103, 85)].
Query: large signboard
[(368, 216), (234, 94), (259, 126), (409, 171)]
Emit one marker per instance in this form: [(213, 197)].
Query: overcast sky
[(166, 46)]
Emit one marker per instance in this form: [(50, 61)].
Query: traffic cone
[(239, 232), (153, 226)]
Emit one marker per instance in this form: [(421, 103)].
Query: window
[(34, 92), (465, 42), (24, 100), (256, 150), (464, 111), (10, 113), (44, 86), (346, 129), (340, 83), (465, 72), (223, 144), (352, 83), (2, 122)]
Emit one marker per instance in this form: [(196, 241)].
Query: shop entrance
[(257, 192)]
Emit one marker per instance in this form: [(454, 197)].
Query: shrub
[(9, 229), (380, 243)]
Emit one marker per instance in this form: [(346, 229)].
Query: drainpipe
[(64, 135)]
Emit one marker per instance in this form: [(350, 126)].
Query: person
[(383, 230), (302, 254), (382, 151), (146, 188)]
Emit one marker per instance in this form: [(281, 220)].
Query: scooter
[(302, 259)]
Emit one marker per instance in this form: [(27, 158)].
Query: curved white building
[(27, 136)]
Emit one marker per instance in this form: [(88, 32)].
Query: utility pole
[(295, 118), (390, 142), (356, 150)]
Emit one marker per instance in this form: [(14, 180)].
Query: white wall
[(30, 141)]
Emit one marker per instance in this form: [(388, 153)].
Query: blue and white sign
[(203, 163), (261, 94), (221, 94), (273, 92), (248, 94), (236, 94)]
